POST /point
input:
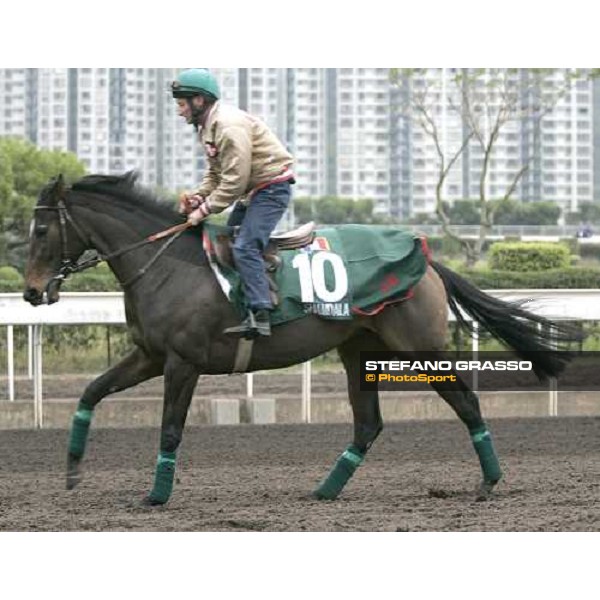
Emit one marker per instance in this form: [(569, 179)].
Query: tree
[(511, 212), (485, 102), (588, 213), (24, 170), (462, 212), (330, 210)]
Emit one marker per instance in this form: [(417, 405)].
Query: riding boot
[(257, 323)]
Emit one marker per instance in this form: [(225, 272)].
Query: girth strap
[(243, 355)]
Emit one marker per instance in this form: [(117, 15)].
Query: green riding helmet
[(192, 82)]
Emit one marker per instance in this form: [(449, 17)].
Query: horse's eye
[(41, 230)]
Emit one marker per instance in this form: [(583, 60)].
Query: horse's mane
[(134, 201), (126, 188)]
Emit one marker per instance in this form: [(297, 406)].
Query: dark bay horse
[(176, 313)]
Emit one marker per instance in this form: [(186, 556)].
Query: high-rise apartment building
[(363, 135), (14, 103), (309, 126), (261, 92), (350, 131), (596, 137)]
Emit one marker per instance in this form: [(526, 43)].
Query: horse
[(176, 313)]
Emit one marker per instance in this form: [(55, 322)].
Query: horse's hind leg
[(420, 326), (465, 404), (367, 417), (133, 369)]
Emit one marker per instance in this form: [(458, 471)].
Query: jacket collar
[(210, 117)]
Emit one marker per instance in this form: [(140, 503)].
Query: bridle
[(69, 266)]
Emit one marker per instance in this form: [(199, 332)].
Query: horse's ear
[(131, 177), (58, 190)]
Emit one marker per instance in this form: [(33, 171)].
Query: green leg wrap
[(482, 442), (79, 430), (163, 480), (343, 469)]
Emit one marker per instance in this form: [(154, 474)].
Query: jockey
[(246, 165)]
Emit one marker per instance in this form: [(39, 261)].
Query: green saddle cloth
[(347, 270)]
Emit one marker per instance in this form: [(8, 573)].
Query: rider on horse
[(247, 165)]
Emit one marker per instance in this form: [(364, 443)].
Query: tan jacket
[(242, 154)]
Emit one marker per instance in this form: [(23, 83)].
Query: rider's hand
[(189, 202), (198, 215)]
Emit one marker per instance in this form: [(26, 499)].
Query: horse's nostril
[(31, 295)]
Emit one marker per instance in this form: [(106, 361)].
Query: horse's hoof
[(73, 473), (484, 492), (317, 495), (150, 502), (73, 481)]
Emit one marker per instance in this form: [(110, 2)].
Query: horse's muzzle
[(33, 296), (49, 296)]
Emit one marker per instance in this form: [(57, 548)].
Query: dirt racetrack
[(419, 476)]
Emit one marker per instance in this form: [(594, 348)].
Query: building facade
[(354, 132), (546, 125)]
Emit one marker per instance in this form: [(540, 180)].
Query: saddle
[(290, 240)]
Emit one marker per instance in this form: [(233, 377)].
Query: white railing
[(503, 231), (76, 308), (108, 309)]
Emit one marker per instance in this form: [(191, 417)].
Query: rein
[(69, 266)]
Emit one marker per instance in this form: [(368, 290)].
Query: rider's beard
[(198, 115)]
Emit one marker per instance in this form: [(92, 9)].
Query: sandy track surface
[(419, 476)]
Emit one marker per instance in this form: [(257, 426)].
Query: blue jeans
[(257, 222)]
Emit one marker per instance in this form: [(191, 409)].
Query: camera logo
[(370, 377)]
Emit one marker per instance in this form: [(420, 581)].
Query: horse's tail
[(532, 337)]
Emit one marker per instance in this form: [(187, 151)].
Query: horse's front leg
[(180, 381), (133, 369)]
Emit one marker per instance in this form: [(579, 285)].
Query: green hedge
[(445, 246), (98, 279), (10, 280), (589, 251), (569, 278), (10, 274), (9, 285), (571, 243), (528, 256)]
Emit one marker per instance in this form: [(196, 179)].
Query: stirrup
[(250, 328)]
